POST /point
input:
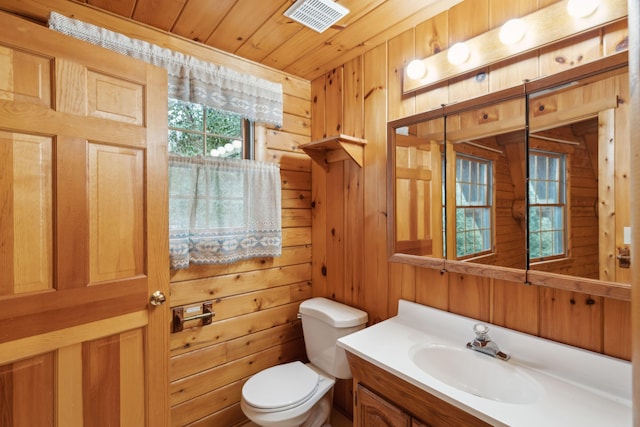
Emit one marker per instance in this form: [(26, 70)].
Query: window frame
[(489, 208), (247, 133), (562, 203)]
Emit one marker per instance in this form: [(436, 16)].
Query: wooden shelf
[(335, 149)]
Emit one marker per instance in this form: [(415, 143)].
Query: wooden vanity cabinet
[(383, 400), (375, 411)]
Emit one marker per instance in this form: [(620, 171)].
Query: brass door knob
[(157, 298)]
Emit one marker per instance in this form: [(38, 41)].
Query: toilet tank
[(323, 322)]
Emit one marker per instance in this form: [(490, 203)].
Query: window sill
[(489, 258), (552, 265)]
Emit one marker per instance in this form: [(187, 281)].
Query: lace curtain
[(221, 211), (190, 79)]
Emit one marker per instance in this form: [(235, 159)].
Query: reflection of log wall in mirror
[(418, 189), (587, 123)]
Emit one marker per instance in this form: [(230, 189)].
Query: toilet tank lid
[(334, 313)]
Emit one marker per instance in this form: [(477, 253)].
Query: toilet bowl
[(301, 395), (288, 395)]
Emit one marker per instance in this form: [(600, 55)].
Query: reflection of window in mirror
[(547, 205), (473, 206)]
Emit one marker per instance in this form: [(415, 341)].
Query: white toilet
[(294, 394)]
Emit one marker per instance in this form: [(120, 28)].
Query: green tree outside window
[(547, 205), (196, 129)]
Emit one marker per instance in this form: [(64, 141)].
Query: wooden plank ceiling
[(258, 30)]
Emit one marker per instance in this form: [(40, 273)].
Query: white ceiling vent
[(316, 14)]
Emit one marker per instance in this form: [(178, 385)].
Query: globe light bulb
[(416, 69), (512, 31), (458, 53), (582, 8)]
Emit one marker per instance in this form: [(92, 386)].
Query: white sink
[(476, 373), (544, 383)]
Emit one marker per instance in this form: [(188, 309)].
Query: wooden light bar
[(544, 27)]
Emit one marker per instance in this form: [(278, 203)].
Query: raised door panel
[(27, 392), (116, 200), (115, 98), (25, 76), (113, 380), (26, 207)]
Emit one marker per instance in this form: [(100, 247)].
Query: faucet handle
[(481, 330)]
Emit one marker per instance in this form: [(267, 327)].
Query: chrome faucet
[(483, 343)]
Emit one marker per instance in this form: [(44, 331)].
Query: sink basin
[(476, 373)]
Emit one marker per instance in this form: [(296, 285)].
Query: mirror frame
[(595, 69)]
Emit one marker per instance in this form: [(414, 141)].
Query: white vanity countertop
[(575, 387)]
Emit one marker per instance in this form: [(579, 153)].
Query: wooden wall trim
[(634, 119), (621, 291)]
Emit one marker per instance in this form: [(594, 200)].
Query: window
[(547, 205), (223, 205), (474, 198), (196, 129)]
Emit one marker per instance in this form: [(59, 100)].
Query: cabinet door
[(373, 411)]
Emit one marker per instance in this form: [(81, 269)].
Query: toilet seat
[(280, 387)]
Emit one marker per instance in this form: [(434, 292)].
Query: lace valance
[(190, 79)]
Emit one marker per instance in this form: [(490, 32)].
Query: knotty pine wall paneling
[(596, 323), (353, 124), (431, 38), (375, 288), (340, 266)]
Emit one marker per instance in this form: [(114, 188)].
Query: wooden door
[(83, 233)]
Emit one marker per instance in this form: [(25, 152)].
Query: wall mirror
[(485, 194), (417, 157), (550, 160), (578, 193)]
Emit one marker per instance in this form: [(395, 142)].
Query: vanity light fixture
[(458, 53), (487, 49), (512, 31), (416, 69), (582, 8)]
